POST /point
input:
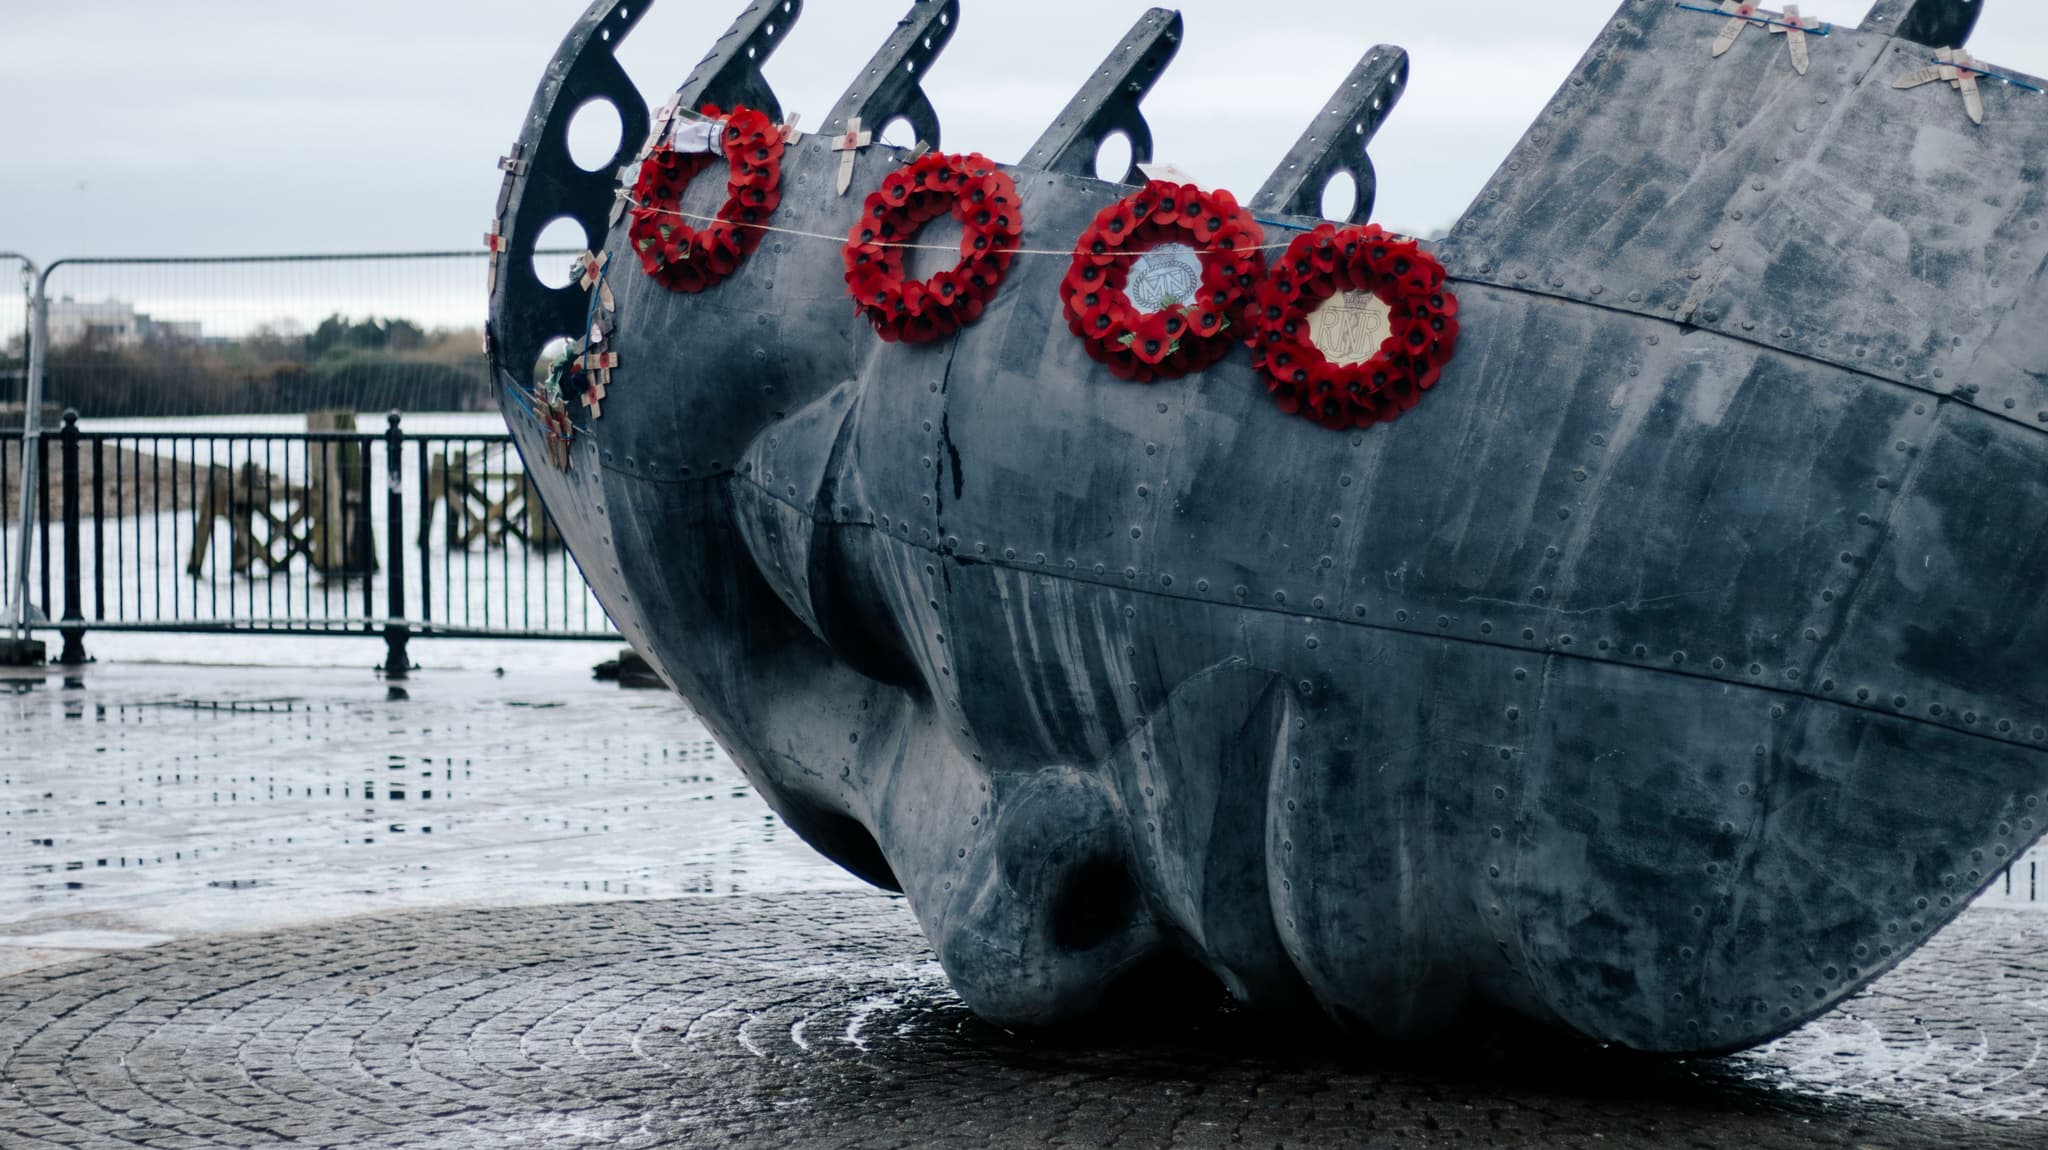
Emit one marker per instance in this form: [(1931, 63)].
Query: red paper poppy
[(1184, 336), (981, 197), (1422, 313), (691, 259)]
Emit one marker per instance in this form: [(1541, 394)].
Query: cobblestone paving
[(820, 1020)]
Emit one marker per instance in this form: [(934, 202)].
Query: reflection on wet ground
[(139, 803)]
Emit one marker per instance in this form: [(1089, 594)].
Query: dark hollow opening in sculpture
[(1169, 990), (1097, 901)]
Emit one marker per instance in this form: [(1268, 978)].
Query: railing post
[(18, 649), (72, 626), (425, 504), (396, 631)]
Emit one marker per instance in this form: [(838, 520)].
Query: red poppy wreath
[(1161, 278), (981, 197), (690, 259), (1420, 311)]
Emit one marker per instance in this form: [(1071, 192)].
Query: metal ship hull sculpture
[(1646, 639)]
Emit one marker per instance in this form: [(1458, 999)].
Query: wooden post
[(455, 474), (436, 492), (539, 529), (202, 530), (340, 518), (241, 501)]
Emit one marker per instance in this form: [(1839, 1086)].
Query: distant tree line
[(365, 365)]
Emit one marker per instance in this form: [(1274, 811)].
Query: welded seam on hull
[(1832, 641), (1049, 573), (1752, 342)]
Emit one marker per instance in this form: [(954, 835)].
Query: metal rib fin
[(891, 87), (1337, 140), (542, 183), (1935, 23), (731, 72), (1108, 103)]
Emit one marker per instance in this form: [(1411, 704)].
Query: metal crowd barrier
[(144, 518), (341, 532)]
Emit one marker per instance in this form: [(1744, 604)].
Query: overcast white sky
[(138, 127)]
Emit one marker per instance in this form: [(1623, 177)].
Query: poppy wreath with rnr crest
[(1421, 311), (1182, 336)]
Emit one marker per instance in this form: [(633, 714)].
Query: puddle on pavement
[(163, 801)]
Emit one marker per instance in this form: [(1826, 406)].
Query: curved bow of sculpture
[(1668, 672)]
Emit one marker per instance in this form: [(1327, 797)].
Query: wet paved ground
[(155, 802), (758, 998), (819, 1020)]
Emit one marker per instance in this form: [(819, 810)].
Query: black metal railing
[(14, 317), (338, 532)]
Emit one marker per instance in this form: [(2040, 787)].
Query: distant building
[(107, 321), (113, 323), (172, 330)]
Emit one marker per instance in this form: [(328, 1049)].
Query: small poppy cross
[(1742, 14), (1747, 13), (598, 366), (1960, 69), (1793, 29), (591, 268), (560, 431), (851, 142), (494, 243), (593, 398), (664, 120)]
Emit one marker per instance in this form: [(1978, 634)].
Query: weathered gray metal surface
[(1667, 674)]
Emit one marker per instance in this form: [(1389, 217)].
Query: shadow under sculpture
[(1672, 670)]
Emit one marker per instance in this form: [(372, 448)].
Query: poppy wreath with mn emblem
[(982, 197), (1179, 336), (689, 259), (1421, 312)]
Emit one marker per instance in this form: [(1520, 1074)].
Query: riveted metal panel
[(1830, 214)]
